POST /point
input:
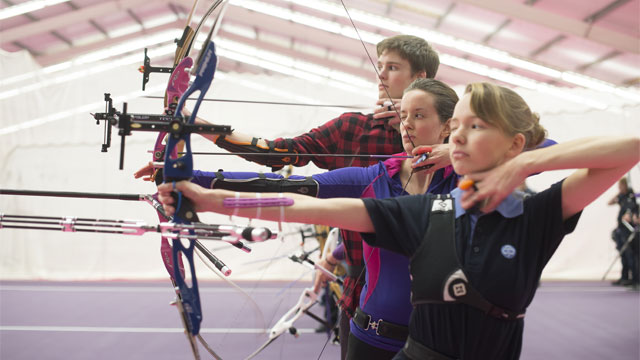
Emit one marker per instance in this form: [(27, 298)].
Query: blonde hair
[(505, 109)]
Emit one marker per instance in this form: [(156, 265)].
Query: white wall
[(55, 151)]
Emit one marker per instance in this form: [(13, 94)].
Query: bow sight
[(175, 126)]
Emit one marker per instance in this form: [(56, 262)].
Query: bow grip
[(185, 210)]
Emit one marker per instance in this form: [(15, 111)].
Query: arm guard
[(275, 162), (261, 183)]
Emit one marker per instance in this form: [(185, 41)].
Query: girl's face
[(477, 145), (420, 121)]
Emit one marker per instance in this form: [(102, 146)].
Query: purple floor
[(132, 320)]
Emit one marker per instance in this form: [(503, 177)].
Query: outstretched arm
[(344, 213), (236, 136), (322, 140), (601, 162)]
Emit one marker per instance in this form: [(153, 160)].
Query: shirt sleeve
[(346, 182), (544, 211), (324, 139), (338, 252), (400, 222)]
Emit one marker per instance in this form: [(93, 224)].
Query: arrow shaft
[(72, 194), (296, 154)]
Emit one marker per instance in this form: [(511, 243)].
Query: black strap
[(416, 351), (383, 328), (436, 263)]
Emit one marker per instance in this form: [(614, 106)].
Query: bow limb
[(307, 299), (182, 50), (177, 92), (181, 168), (331, 241), (178, 84), (186, 40)]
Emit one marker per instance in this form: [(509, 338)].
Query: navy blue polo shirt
[(502, 253)]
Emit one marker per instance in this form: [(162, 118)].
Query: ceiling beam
[(604, 11), (98, 27), (601, 59), (632, 81), (75, 51), (367, 73), (544, 47), (389, 7), (62, 38), (444, 15), (407, 7), (496, 31), (287, 29), (78, 16), (560, 23)]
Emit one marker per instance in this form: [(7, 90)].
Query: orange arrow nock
[(466, 184)]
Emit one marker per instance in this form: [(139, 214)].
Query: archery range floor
[(133, 320)]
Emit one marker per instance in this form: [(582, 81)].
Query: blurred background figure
[(622, 235)]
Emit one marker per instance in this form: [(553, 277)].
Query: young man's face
[(395, 75)]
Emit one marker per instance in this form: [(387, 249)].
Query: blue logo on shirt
[(508, 251)]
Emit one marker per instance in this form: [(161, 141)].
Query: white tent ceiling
[(565, 43)]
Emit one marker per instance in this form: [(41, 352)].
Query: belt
[(416, 351), (382, 328)]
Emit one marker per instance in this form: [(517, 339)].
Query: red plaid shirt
[(350, 133), (352, 284)]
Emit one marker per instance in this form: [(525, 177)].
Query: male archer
[(401, 59)]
